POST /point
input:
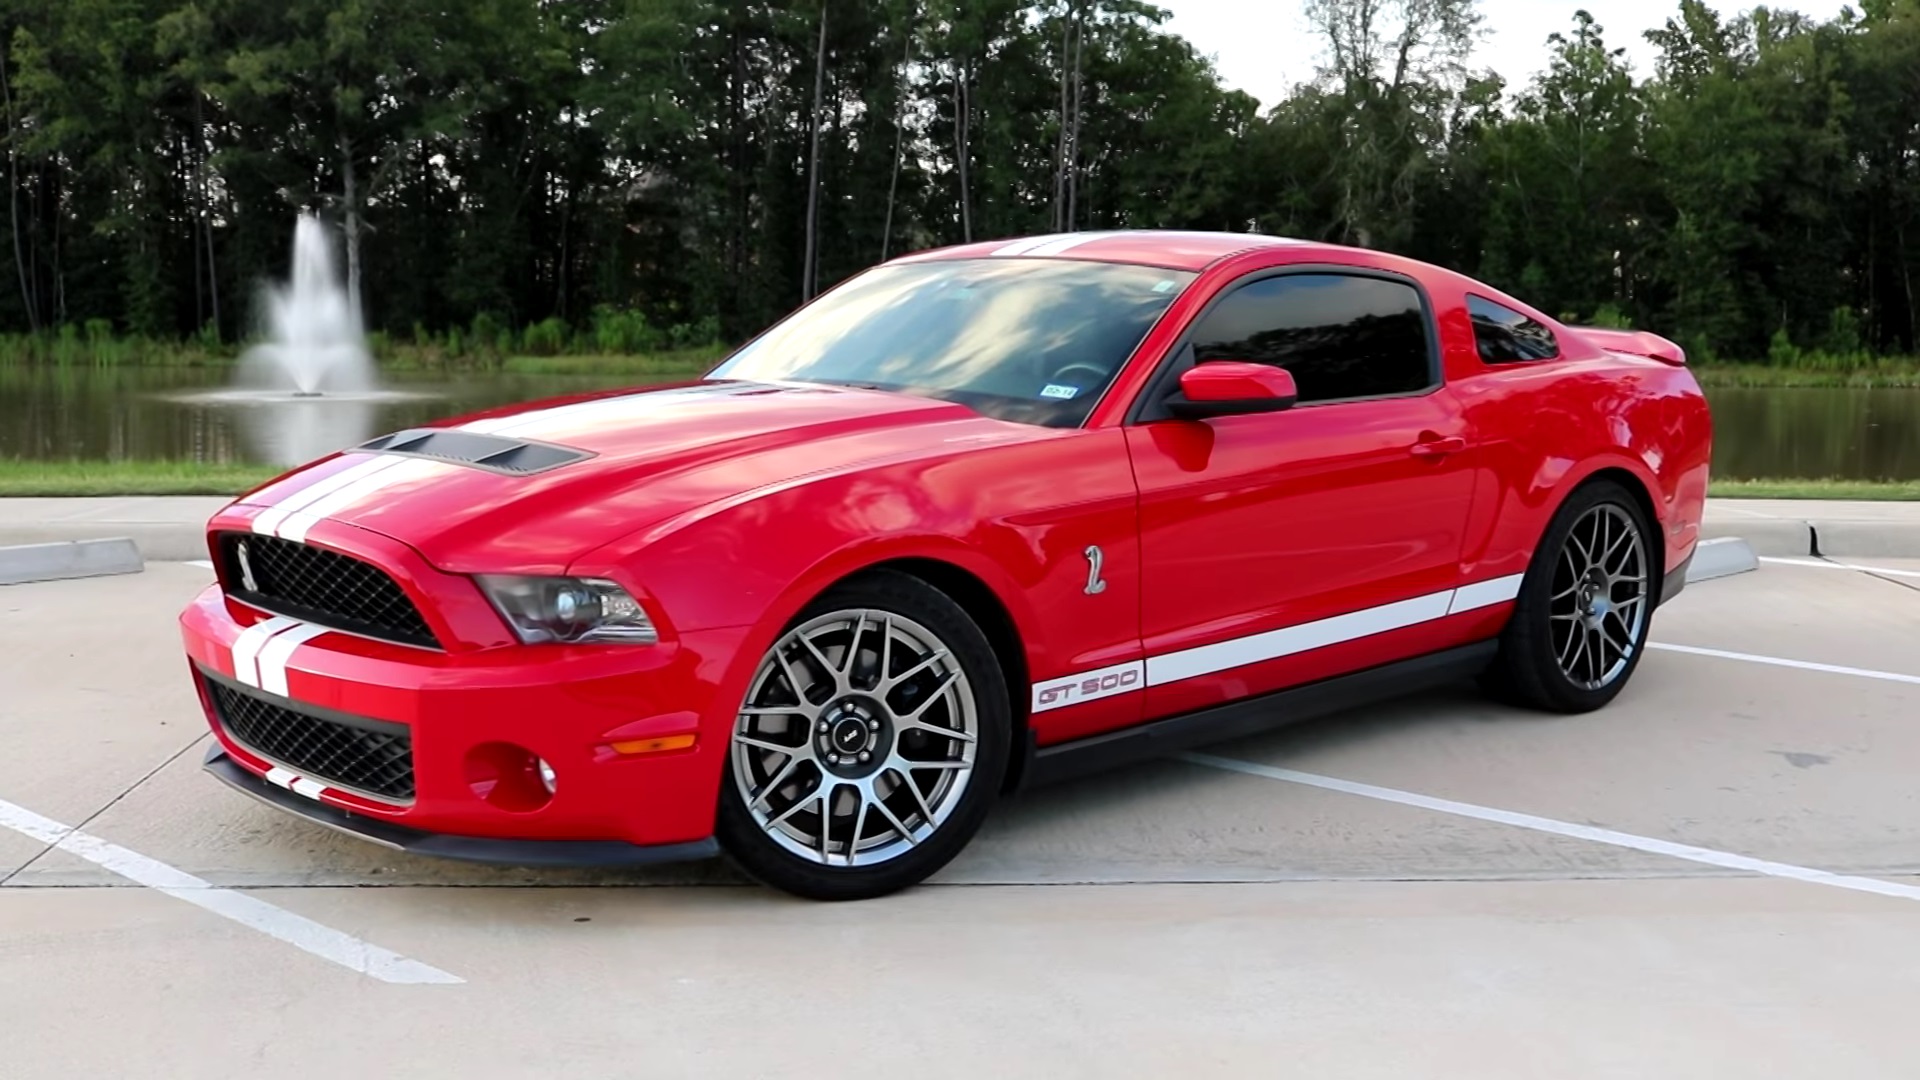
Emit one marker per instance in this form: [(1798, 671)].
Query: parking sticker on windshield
[(1062, 392)]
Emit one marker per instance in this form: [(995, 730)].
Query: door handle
[(1433, 446)]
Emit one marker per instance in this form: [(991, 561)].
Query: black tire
[(1530, 669), (766, 849)]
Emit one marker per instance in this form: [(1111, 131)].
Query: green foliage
[(616, 331), (1843, 331), (549, 337), (1782, 352), (618, 176), (1610, 316)]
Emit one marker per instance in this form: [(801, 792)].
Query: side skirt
[(1097, 753)]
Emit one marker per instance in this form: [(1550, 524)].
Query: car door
[(1284, 547)]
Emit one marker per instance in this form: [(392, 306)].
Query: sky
[(1264, 48)]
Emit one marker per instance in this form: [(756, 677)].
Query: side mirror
[(1232, 388)]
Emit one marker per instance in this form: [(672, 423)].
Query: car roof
[(1168, 248)]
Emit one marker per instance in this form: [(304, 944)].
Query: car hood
[(530, 488)]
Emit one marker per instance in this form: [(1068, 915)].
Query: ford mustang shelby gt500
[(977, 518)]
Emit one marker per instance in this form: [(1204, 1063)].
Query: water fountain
[(310, 388), (318, 345)]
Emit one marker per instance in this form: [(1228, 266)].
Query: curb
[(72, 559), (1722, 557), (1789, 538)]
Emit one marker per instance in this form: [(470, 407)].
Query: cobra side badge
[(1095, 586)]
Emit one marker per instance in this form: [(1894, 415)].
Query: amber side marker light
[(654, 746)]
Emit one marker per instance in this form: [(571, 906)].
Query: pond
[(121, 413)]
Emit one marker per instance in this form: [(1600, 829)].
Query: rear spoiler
[(1635, 343)]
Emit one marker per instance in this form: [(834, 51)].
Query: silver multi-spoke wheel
[(857, 739), (1598, 605)]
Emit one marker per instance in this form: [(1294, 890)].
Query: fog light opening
[(509, 777)]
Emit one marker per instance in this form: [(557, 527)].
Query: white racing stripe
[(1779, 661), (246, 647), (299, 931), (1021, 247), (278, 650), (1089, 686), (402, 470), (1273, 644), (1651, 845), (1485, 594), (269, 521), (1224, 655)]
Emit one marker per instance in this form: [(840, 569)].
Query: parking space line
[(1779, 661), (1821, 564), (297, 930), (1723, 859)]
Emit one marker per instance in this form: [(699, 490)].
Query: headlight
[(569, 610)]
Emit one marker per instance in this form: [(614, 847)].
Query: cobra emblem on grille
[(247, 580)]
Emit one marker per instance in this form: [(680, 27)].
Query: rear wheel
[(871, 743), (1580, 623)]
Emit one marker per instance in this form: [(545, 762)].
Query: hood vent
[(495, 453)]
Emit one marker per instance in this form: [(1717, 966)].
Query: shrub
[(1781, 351), (483, 334), (547, 338), (1843, 332), (623, 333), (1611, 317), (697, 334)]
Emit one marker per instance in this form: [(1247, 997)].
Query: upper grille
[(376, 759), (322, 587)]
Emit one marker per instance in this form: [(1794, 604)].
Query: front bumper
[(588, 712), (530, 853)]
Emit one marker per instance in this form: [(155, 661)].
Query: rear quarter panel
[(1545, 428)]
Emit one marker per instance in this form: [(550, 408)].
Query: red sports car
[(976, 519)]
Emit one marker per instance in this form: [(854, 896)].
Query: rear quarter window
[(1505, 336)]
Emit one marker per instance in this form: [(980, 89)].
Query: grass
[(552, 354), (46, 478), (23, 478), (1882, 374), (1846, 490), (683, 362)]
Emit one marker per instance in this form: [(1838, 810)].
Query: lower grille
[(375, 759)]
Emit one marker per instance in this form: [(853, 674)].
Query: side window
[(1340, 336), (1507, 337)]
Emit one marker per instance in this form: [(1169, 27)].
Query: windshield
[(1036, 341)]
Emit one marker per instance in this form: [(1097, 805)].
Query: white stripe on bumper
[(278, 651), (246, 647)]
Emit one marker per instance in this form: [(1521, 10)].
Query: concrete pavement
[(171, 528), (1789, 527), (1171, 918), (166, 528)]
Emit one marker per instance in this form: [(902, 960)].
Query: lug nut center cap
[(849, 736)]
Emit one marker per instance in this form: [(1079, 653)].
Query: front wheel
[(1580, 623), (871, 743)]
